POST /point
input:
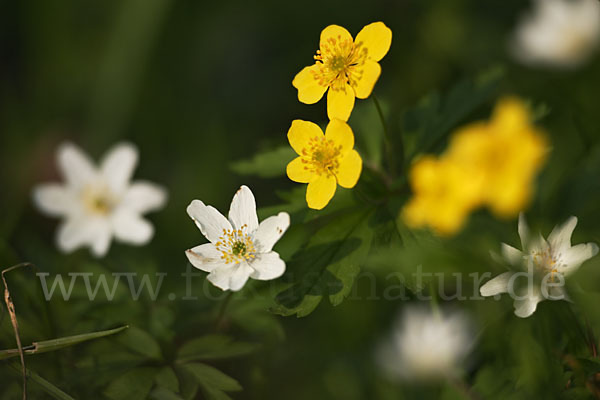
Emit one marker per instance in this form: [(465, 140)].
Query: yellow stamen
[(321, 156), (236, 245)]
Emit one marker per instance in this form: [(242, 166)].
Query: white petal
[(118, 165), (72, 234), (243, 210), (76, 232), (512, 255), (267, 266), (205, 257), (526, 307), (131, 228), (539, 244), (53, 199), (496, 285), (560, 237), (100, 242), (76, 167), (270, 231), (240, 276), (230, 276), (142, 197), (210, 221), (574, 256), (523, 232)]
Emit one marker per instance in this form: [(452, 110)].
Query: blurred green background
[(197, 85)]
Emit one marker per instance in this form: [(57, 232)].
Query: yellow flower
[(349, 68), (506, 153), (443, 196), (487, 163), (325, 160)]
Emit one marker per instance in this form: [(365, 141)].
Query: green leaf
[(213, 382), (57, 344), (167, 378), (328, 265), (267, 164), (427, 124), (141, 342), (162, 393), (132, 385), (212, 347)]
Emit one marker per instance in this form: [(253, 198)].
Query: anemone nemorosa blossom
[(548, 260), (99, 203), (239, 247)]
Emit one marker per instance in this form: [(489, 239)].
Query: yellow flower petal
[(341, 134), (298, 171), (307, 82), (349, 170), (376, 38), (332, 36), (510, 114), (340, 102), (368, 74), (301, 132), (320, 191)]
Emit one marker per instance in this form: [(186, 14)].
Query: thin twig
[(13, 318)]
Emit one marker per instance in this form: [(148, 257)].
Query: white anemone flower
[(427, 345), (99, 203), (547, 263), (239, 248), (559, 33)]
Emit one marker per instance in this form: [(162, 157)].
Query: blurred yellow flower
[(349, 68), (443, 196), (489, 163), (325, 160)]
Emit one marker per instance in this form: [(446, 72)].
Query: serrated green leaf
[(267, 164), (328, 265), (212, 347), (60, 343), (435, 115), (132, 385)]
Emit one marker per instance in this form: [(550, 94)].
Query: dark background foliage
[(197, 85)]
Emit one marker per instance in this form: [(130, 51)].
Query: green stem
[(387, 139), (222, 309)]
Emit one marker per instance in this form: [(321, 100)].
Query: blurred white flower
[(559, 33), (239, 248), (554, 259), (97, 203), (427, 345)]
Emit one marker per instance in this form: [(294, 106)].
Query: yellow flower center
[(236, 246), (98, 200), (340, 62), (546, 262), (321, 156)]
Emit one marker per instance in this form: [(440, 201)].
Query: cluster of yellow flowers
[(486, 164), (345, 69)]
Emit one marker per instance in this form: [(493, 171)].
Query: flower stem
[(387, 140), (221, 315)]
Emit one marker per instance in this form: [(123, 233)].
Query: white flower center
[(98, 199), (236, 245)]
